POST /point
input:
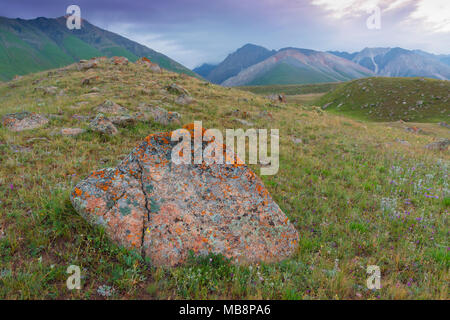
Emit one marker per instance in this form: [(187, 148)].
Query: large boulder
[(25, 120), (167, 210)]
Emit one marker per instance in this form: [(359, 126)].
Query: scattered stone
[(72, 131), (277, 97), (21, 121), (103, 125), (89, 80), (403, 142), (84, 65), (159, 114), (111, 107), (19, 149), (296, 140), (184, 99), (419, 103), (152, 66), (80, 117), (37, 139), (442, 144), (326, 105), (176, 89), (126, 119), (48, 90), (265, 114), (94, 89), (244, 122), (105, 291), (444, 124), (167, 210), (119, 60), (90, 95), (413, 129)]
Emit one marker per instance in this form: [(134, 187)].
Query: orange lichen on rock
[(171, 210)]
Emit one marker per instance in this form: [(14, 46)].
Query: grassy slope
[(291, 89), (356, 196), (284, 73), (391, 99)]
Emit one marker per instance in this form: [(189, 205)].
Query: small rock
[(326, 105), (103, 125), (442, 144), (80, 117), (105, 291), (23, 121), (413, 129), (119, 60), (48, 90), (296, 140), (184, 99), (86, 65), (277, 97), (244, 122), (444, 124), (159, 114), (72, 131), (403, 142), (152, 66), (176, 89), (110, 107), (89, 80), (126, 119)]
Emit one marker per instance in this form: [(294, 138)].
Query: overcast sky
[(197, 31)]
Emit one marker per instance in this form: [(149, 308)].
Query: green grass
[(291, 89), (355, 195), (284, 73), (391, 99), (119, 52), (79, 49)]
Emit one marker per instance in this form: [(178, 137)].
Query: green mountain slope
[(39, 44), (389, 99), (298, 66), (284, 73)]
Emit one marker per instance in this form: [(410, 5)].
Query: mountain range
[(256, 65), (45, 43)]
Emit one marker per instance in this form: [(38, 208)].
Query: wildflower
[(11, 186)]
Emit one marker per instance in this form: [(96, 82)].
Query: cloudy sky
[(197, 31)]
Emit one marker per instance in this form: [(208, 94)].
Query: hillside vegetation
[(391, 99), (40, 44), (292, 89), (359, 194)]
